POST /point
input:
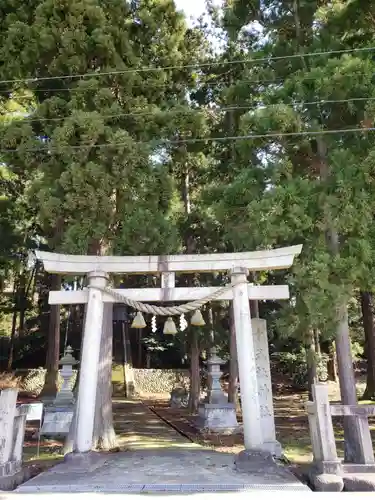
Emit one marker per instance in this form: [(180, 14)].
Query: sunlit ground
[(291, 427)]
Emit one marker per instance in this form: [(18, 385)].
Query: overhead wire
[(82, 89), (188, 66), (224, 109), (168, 142), (210, 81)]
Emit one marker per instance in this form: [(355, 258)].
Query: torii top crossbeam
[(279, 258)]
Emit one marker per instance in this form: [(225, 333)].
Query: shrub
[(9, 381), (294, 365)]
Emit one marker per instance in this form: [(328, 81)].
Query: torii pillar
[(88, 375), (253, 438)]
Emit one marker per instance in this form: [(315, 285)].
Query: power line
[(189, 66), (210, 110), (212, 81), (167, 142), (213, 84), (132, 85)]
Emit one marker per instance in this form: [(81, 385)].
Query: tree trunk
[(328, 348), (195, 380), (233, 362), (311, 362), (14, 326), (50, 387), (21, 305), (104, 434), (369, 330), (332, 366), (343, 345), (347, 384), (128, 365), (318, 349)]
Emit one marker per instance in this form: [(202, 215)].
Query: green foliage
[(97, 186), (294, 365), (275, 192)]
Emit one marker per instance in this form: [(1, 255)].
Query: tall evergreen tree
[(93, 73), (299, 180)]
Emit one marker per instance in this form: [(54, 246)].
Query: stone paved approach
[(158, 459)]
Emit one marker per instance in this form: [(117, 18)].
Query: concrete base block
[(359, 482), (261, 464), (274, 447), (358, 468), (83, 459), (10, 482), (84, 462), (10, 468), (220, 418), (327, 482), (325, 467), (253, 461)]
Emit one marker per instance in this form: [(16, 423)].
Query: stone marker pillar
[(88, 376), (12, 432), (252, 429), (19, 436), (263, 370), (8, 401)]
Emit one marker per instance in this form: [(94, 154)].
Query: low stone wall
[(146, 381), (158, 381), (32, 381)]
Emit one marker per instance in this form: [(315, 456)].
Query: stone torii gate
[(252, 343)]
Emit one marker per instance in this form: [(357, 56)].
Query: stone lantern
[(65, 396), (216, 414), (58, 417), (215, 394)]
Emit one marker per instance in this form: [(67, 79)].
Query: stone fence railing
[(325, 459), (12, 434)]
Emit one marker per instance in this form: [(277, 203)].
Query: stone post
[(365, 449), (88, 376), (321, 430), (253, 438), (19, 436), (263, 370), (8, 401)]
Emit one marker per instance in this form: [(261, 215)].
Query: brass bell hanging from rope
[(169, 327), (138, 321), (197, 319)]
